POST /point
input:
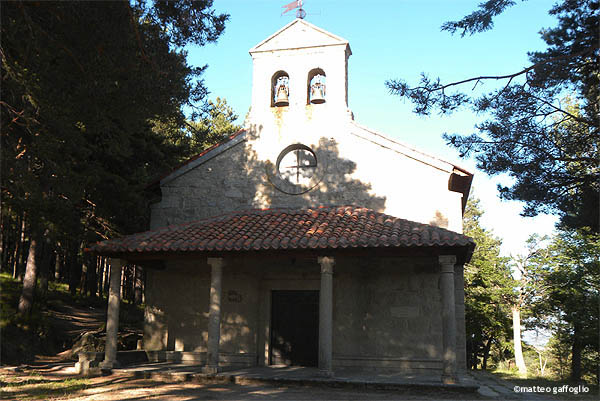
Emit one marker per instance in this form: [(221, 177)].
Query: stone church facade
[(306, 238)]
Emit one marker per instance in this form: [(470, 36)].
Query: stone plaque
[(234, 297), (405, 312)]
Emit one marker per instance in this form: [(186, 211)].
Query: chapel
[(305, 238)]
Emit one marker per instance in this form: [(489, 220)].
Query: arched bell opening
[(316, 86), (280, 89)]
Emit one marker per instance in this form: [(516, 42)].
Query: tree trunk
[(2, 244), (19, 242), (106, 280), (100, 276), (486, 354), (44, 266), (470, 357), (26, 300), (74, 271), (23, 258), (516, 315), (123, 277), (92, 268), (75, 267), (576, 349), (138, 285), (57, 266), (7, 248)]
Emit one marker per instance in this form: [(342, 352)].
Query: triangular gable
[(298, 34), (203, 157), (402, 148), (460, 180)]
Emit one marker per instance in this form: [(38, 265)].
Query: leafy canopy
[(488, 287), (83, 85), (542, 126), (568, 303)]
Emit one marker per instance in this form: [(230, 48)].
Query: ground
[(50, 377), (53, 330), (56, 381), (51, 382)]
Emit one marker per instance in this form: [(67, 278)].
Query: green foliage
[(22, 337), (560, 350), (36, 387), (570, 269), (82, 83), (548, 145), (214, 127), (488, 289), (532, 381), (36, 334)]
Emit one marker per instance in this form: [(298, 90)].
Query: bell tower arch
[(299, 70)]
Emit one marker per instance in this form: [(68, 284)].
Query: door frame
[(312, 283)]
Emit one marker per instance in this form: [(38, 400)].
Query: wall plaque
[(405, 312), (234, 297)]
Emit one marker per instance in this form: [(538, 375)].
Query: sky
[(396, 39)]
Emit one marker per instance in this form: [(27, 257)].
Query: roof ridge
[(294, 22), (409, 147)]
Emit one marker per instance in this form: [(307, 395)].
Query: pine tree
[(488, 289), (532, 133)]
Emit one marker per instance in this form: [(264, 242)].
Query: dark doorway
[(294, 328)]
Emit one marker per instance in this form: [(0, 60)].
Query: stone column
[(214, 315), (326, 316), (461, 338), (112, 315), (447, 263)]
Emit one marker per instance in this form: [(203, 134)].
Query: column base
[(447, 379), (108, 365), (211, 370), (325, 373)]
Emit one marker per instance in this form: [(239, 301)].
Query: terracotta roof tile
[(273, 229)]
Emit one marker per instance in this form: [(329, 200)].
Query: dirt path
[(56, 382), (72, 320)]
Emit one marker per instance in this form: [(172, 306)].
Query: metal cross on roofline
[(295, 4)]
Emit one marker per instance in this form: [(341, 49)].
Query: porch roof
[(323, 228)]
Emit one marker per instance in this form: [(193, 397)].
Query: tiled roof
[(339, 227)]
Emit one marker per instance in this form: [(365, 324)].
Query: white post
[(214, 315), (326, 316), (112, 315), (447, 263)]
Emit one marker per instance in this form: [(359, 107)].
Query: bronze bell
[(282, 97), (317, 95)]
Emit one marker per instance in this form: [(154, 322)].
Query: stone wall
[(386, 312), (353, 171)]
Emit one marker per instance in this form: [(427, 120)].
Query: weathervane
[(300, 13)]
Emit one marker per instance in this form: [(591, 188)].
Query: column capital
[(447, 263), (215, 262), (327, 263)]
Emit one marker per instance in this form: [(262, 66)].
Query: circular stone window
[(297, 170)]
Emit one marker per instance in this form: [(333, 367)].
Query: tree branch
[(508, 76)]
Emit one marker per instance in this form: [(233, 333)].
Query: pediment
[(298, 34)]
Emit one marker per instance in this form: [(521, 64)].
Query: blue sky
[(395, 39)]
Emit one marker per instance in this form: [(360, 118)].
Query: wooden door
[(294, 328)]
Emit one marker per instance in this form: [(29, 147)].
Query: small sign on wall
[(234, 297), (405, 312)]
